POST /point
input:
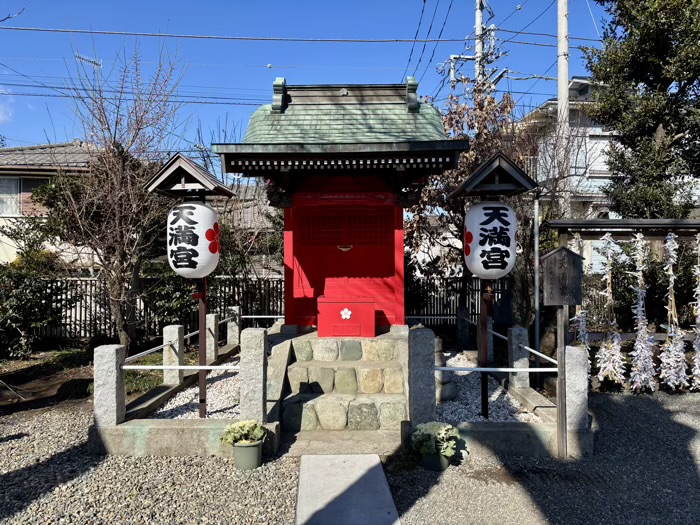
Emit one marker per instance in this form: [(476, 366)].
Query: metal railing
[(176, 367), (181, 367)]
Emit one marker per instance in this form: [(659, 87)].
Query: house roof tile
[(66, 155)]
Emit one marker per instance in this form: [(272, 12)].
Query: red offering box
[(346, 317)]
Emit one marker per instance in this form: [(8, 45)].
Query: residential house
[(585, 147), (22, 170)]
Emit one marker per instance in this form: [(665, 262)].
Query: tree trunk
[(131, 312)]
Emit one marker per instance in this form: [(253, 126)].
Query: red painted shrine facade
[(343, 162)]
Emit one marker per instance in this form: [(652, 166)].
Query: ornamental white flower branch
[(581, 320), (609, 357), (642, 376), (673, 370), (695, 374)]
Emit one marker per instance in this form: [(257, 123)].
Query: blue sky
[(236, 75)]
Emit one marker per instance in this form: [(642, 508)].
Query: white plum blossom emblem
[(345, 314)]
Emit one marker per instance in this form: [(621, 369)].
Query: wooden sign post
[(563, 275)]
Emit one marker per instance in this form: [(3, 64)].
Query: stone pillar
[(174, 353), (445, 389), (253, 389), (518, 358), (233, 327), (576, 375), (421, 376), (462, 328), (212, 337), (109, 398)]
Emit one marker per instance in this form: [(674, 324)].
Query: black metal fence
[(433, 303), (90, 314)]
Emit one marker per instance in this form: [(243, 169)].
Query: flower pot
[(247, 456), (435, 461)]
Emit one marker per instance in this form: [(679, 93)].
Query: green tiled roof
[(344, 124)]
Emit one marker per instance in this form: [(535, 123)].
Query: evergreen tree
[(649, 67)]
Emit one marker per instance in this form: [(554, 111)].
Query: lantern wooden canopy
[(498, 176), (343, 161), (182, 177)]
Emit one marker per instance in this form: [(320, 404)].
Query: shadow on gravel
[(21, 487), (644, 469)]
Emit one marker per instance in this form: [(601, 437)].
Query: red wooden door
[(346, 252)]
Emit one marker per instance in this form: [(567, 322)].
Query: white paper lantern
[(193, 239), (489, 239)]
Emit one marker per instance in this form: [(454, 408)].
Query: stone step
[(319, 442), (310, 347), (305, 412), (346, 377)]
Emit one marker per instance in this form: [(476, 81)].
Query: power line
[(430, 29), (583, 39), (201, 102), (536, 81), (517, 8), (75, 89), (447, 15), (532, 21), (213, 64), (234, 38), (410, 56)]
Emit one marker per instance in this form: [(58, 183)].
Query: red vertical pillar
[(289, 313), (399, 284)]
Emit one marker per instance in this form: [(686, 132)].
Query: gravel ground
[(645, 471), (46, 477), (467, 405), (222, 398)]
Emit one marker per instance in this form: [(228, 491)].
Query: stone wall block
[(325, 349), (391, 415), (331, 414), (350, 350), (346, 381), (298, 377), (393, 380), (370, 380), (321, 379), (363, 415), (302, 350)]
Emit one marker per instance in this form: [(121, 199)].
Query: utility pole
[(479, 42), (564, 163), (563, 66)]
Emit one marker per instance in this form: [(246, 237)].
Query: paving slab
[(344, 490)]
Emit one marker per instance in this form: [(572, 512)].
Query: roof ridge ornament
[(412, 95), (279, 98)]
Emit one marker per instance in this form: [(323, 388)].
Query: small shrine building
[(343, 161)]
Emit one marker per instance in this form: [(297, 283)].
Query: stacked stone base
[(345, 385)]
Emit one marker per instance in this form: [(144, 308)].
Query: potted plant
[(438, 443), (246, 437)]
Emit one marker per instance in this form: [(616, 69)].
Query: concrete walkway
[(344, 490)]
